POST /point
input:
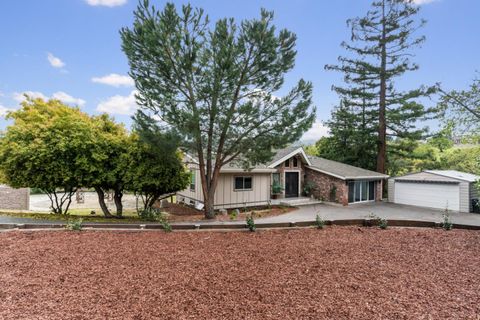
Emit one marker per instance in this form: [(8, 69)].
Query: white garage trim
[(431, 195)]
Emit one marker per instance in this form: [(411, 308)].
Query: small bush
[(447, 223), (234, 214), (382, 223), (74, 225), (319, 222), (251, 223), (155, 215)]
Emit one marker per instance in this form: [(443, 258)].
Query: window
[(243, 183), (295, 162), (361, 191), (287, 163), (192, 180)]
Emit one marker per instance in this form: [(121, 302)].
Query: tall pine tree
[(379, 53)]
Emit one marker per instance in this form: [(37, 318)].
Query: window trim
[(243, 189)]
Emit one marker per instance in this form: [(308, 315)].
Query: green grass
[(130, 216)]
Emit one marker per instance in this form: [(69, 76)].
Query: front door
[(291, 184)]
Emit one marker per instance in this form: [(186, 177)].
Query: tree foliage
[(379, 53), (154, 162), (216, 85), (50, 146)]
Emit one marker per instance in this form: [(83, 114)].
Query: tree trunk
[(101, 201), (117, 197), (382, 127)]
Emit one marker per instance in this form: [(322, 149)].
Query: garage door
[(431, 195)]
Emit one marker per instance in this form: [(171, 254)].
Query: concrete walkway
[(363, 211)]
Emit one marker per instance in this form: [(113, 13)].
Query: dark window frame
[(243, 186), (287, 163), (295, 162)]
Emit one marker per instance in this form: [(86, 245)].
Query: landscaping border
[(239, 226)]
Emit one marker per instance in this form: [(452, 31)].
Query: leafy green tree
[(154, 164), (379, 52), (49, 146), (111, 152), (215, 85)]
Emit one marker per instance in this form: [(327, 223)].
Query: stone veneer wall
[(324, 184), (14, 199)]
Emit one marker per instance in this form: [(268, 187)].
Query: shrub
[(320, 223), (308, 188), (234, 214), (447, 223), (277, 188), (251, 223), (382, 223), (333, 193), (155, 215), (74, 225)]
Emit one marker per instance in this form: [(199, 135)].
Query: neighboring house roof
[(444, 176), (456, 175), (343, 171), (426, 177)]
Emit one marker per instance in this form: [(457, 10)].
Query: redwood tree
[(217, 85), (379, 53)]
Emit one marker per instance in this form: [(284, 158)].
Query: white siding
[(431, 195), (464, 197), (391, 190), (226, 196)]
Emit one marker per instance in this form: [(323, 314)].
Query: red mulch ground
[(337, 273)]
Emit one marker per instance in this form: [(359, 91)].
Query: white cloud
[(4, 110), (66, 98), (123, 105), (419, 2), (19, 97), (317, 131), (59, 95), (106, 3), (55, 61), (115, 80)]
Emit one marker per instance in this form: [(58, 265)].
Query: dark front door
[(291, 184)]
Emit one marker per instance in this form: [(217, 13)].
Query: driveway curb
[(240, 226)]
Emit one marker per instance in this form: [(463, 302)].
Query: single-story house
[(293, 170), (438, 189)]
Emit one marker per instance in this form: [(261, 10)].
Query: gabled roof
[(455, 175), (342, 171), (284, 154), (442, 176)]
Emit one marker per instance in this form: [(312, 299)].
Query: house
[(294, 171), (438, 189)]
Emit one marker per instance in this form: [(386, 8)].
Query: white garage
[(439, 189)]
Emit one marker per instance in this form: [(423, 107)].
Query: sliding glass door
[(361, 191)]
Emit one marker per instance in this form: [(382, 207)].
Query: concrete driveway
[(381, 209)]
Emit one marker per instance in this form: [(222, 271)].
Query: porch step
[(298, 202)]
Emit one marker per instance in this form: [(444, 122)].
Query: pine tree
[(379, 53)]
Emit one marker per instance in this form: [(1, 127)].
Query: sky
[(71, 49)]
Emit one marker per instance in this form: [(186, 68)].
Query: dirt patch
[(183, 213), (336, 273)]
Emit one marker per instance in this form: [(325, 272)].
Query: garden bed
[(183, 213), (336, 273)]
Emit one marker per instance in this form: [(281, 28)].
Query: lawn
[(336, 273)]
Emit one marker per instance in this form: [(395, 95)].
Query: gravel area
[(336, 273)]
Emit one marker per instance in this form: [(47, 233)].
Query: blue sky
[(70, 49)]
